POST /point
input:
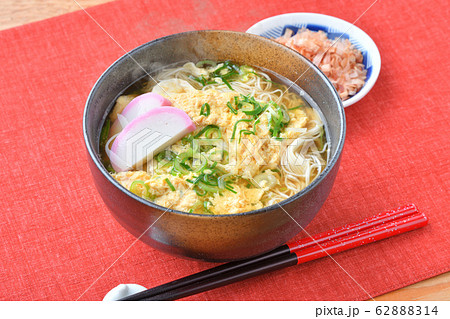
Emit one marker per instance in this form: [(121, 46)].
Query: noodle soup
[(256, 142)]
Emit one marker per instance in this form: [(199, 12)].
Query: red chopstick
[(371, 229), (352, 228), (361, 238)]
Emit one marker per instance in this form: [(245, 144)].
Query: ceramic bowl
[(212, 237)]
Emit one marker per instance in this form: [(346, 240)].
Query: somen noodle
[(256, 142)]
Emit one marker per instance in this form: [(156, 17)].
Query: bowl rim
[(327, 20), (330, 165)]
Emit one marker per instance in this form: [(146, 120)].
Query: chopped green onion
[(205, 206), (286, 118), (295, 108), (207, 111), (321, 140), (179, 162), (254, 125), (206, 129), (166, 165), (110, 169), (254, 110), (210, 131), (185, 155), (234, 67), (249, 105), (278, 118), (221, 181), (139, 188), (245, 72), (199, 191), (186, 166), (203, 165), (170, 184), (209, 180), (202, 64), (231, 108), (208, 188), (236, 102), (202, 80), (263, 78), (257, 110), (246, 132), (217, 71), (231, 189), (246, 69), (190, 211), (225, 72), (250, 184), (197, 179), (187, 139), (159, 157), (228, 66), (105, 132), (235, 126), (166, 154), (218, 155), (227, 84), (197, 205)]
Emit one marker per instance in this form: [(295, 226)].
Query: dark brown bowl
[(219, 237)]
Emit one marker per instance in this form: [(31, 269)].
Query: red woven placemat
[(56, 235)]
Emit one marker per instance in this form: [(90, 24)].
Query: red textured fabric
[(57, 237)]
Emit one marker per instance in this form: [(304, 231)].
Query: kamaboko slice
[(138, 106), (147, 135)]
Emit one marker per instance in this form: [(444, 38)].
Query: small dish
[(275, 27)]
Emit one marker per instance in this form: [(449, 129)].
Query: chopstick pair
[(383, 225)]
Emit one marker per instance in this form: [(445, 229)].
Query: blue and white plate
[(275, 27)]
